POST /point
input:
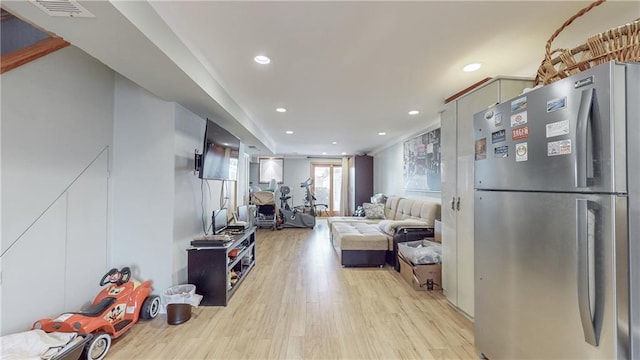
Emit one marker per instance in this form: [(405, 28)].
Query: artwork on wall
[(271, 168), (422, 162)]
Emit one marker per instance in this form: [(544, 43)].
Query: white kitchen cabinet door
[(449, 161), (457, 186)]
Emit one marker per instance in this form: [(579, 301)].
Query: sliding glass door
[(327, 182)]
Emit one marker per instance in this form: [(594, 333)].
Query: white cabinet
[(457, 185)]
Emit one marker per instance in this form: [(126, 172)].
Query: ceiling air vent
[(68, 8)]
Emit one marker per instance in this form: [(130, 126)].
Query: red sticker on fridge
[(520, 133)]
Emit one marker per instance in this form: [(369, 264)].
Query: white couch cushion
[(359, 236)]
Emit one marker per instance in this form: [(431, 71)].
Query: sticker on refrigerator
[(562, 147), (497, 119), (488, 115), (519, 119), (556, 104), (498, 136), (583, 82), (519, 104), (520, 133), (501, 151), (558, 128), (481, 149), (522, 152)]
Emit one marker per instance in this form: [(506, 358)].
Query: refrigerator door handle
[(586, 268), (458, 204), (453, 203), (582, 124)]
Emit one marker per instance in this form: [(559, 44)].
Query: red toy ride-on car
[(114, 311)]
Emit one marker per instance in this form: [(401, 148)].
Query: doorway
[(327, 182)]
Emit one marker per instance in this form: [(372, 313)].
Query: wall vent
[(67, 8)]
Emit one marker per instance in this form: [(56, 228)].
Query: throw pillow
[(373, 211)]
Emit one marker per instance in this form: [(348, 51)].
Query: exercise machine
[(310, 204), (293, 217)]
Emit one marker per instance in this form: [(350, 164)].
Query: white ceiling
[(343, 70)]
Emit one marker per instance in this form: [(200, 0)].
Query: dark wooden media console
[(218, 270)]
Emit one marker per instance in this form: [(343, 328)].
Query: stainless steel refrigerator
[(557, 220)]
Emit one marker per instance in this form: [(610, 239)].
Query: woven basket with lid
[(621, 43)]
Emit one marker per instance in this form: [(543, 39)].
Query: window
[(23, 42), (271, 168)]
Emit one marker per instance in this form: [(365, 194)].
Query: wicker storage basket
[(621, 44)]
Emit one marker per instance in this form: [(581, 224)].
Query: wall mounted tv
[(220, 153)]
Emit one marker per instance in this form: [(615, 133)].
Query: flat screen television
[(245, 214), (219, 220), (220, 153)]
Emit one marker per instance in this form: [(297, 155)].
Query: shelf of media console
[(233, 262), (211, 276), (245, 272)]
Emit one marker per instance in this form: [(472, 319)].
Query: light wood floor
[(299, 303)]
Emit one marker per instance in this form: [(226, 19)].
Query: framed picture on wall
[(422, 162), (271, 168)]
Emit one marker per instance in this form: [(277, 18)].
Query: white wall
[(96, 173), (142, 184), (159, 204), (56, 121), (295, 172), (242, 185), (194, 199), (387, 172), (44, 105), (189, 132), (254, 171)]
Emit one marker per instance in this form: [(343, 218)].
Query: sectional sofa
[(367, 241)]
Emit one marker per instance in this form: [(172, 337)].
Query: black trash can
[(178, 313)]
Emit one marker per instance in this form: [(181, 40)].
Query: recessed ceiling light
[(335, 142), (414, 112), (381, 133), (289, 132), (324, 153), (471, 67), (344, 153), (281, 110), (262, 60)]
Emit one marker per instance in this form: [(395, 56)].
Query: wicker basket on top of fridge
[(621, 43)]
